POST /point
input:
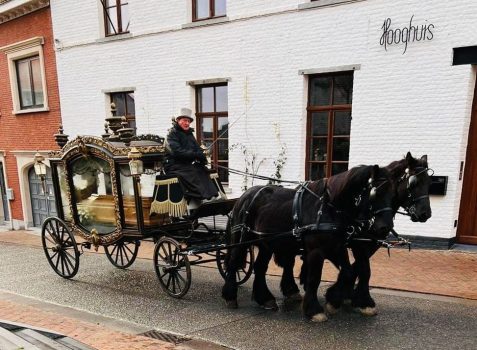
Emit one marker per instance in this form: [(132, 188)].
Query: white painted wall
[(414, 101)]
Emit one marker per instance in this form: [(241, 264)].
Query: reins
[(260, 177)]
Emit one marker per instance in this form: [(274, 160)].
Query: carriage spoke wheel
[(172, 267), (122, 254), (60, 247), (244, 272)]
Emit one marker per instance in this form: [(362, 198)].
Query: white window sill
[(323, 3), (206, 22), (114, 38), (32, 110), (124, 89)]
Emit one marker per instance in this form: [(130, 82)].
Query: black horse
[(412, 181), (327, 209)]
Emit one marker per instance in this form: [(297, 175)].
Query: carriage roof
[(148, 145)]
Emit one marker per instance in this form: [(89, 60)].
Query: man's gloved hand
[(201, 158)]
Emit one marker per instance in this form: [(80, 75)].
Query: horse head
[(366, 194), (380, 197), (413, 188)]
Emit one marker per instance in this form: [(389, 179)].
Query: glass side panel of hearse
[(92, 194)]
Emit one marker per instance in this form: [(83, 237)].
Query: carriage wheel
[(172, 267), (122, 254), (60, 247), (244, 273)]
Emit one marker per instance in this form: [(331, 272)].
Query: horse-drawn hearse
[(111, 192)]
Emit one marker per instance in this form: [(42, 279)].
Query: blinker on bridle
[(412, 181), (373, 192)]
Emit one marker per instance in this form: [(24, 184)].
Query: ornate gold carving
[(82, 148), (108, 238), (95, 239), (97, 147), (79, 141)]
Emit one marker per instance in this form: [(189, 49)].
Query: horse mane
[(346, 183), (318, 186), (398, 167)]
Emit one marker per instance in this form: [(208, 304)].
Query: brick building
[(287, 75), (29, 107)]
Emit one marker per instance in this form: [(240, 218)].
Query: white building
[(265, 58)]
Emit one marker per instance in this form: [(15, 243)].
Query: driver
[(186, 160)]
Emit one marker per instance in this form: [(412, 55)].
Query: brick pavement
[(90, 334), (448, 273)]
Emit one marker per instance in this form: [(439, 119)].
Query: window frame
[(129, 117), (211, 11), (215, 115), (17, 52), (330, 109), (31, 86), (118, 26)]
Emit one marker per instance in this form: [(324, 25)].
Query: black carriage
[(111, 192)]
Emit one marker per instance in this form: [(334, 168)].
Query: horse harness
[(353, 229)]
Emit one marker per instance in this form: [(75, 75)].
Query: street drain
[(167, 337)]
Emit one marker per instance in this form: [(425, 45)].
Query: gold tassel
[(173, 209)]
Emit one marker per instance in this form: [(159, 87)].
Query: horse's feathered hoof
[(368, 311), (330, 309), (231, 304), (319, 318), (270, 305)]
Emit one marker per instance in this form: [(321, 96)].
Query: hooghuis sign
[(405, 36)]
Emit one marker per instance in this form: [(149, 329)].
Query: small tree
[(251, 162)]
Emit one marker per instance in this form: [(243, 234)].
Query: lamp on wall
[(40, 170)]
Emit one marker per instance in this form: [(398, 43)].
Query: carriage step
[(167, 337)]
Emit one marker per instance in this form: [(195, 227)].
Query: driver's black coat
[(186, 160)]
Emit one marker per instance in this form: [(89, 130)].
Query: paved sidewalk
[(447, 273)]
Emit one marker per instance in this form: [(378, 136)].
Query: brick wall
[(31, 131), (414, 101)]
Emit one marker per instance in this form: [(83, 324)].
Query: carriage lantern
[(135, 164), (40, 169)]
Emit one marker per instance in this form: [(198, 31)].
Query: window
[(206, 9), (93, 194), (26, 70), (213, 124), (328, 124), (116, 16), (30, 89), (124, 102)]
